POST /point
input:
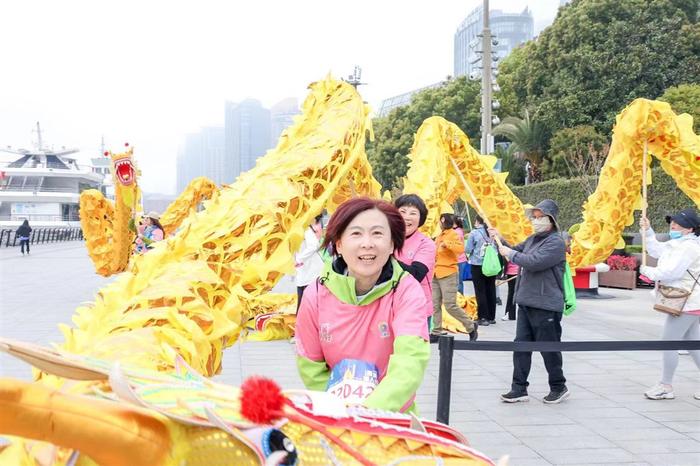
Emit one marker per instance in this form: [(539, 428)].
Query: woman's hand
[(493, 233), (644, 224), (505, 251)]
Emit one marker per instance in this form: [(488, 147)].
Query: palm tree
[(528, 137)]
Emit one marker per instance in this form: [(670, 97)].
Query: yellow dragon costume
[(169, 317), (105, 224), (188, 298)]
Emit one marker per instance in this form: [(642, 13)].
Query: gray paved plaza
[(606, 420)]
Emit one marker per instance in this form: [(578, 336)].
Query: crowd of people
[(372, 289)]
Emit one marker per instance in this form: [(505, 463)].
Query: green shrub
[(664, 198)]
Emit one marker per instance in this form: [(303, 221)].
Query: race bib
[(353, 380)]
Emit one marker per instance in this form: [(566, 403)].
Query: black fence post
[(446, 346)]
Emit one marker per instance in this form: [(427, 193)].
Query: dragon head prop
[(124, 174)]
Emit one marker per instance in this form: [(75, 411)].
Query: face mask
[(674, 234), (540, 225)]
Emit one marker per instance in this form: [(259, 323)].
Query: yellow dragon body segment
[(180, 418), (610, 208), (431, 176), (198, 190), (106, 226), (191, 294), (188, 298), (607, 211)]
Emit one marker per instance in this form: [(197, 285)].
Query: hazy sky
[(148, 71)]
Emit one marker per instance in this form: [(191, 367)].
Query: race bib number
[(353, 380)]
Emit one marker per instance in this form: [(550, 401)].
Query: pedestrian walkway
[(606, 420)]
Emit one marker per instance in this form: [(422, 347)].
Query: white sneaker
[(683, 351), (293, 341), (505, 317), (660, 391), (697, 396)]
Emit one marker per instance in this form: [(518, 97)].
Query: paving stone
[(516, 452), (642, 447), (469, 427), (620, 423), (617, 464), (691, 414), (553, 432), (541, 444), (590, 456), (528, 462), (598, 413), (673, 459), (654, 434), (493, 438), (684, 426)]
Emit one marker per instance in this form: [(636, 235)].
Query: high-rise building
[(202, 154), (509, 29), (402, 100), (247, 128), (282, 116)]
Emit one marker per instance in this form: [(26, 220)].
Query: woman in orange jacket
[(449, 247)]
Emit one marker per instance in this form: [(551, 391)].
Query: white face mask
[(541, 224)]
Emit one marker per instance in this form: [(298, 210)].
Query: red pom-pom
[(126, 144), (106, 154), (261, 400)]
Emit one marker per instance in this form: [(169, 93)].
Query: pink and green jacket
[(384, 328)]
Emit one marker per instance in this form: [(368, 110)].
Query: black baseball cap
[(687, 218)]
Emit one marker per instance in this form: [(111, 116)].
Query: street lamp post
[(486, 89)]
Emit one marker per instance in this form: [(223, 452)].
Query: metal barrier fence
[(41, 235), (448, 345)]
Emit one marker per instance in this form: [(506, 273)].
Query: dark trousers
[(485, 291), (510, 303), (22, 243), (300, 293), (537, 325)]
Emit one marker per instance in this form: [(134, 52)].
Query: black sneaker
[(474, 334), (499, 302), (492, 322), (555, 397), (515, 397), (483, 322)]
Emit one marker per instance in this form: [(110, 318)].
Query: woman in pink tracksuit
[(417, 256), (358, 334)]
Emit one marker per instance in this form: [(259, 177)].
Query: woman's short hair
[(348, 210), (458, 222), (413, 200), (448, 220), (479, 219)]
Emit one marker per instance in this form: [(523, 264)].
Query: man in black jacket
[(540, 296)]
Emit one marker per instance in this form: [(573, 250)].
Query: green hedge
[(664, 198)]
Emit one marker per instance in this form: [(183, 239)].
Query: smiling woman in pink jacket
[(359, 336), (417, 256)]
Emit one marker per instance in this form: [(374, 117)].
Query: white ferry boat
[(43, 185)]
